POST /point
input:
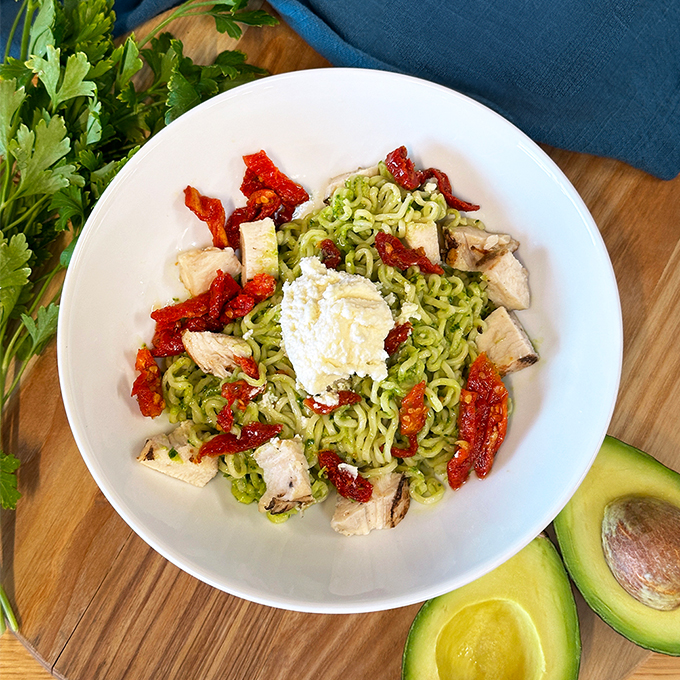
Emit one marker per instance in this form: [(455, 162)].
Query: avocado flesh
[(619, 470), (516, 623)]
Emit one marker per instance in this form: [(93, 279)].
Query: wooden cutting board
[(94, 601)]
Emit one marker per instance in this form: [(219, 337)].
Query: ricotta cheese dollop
[(334, 325)]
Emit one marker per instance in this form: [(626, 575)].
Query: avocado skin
[(536, 581), (619, 470)]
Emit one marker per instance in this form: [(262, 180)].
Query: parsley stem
[(13, 30), (6, 611), (28, 20)]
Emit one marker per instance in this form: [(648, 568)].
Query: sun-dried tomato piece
[(412, 449), (397, 337), (210, 211), (330, 254), (260, 287), (413, 411), (345, 397), (147, 387), (225, 418), (233, 227), (167, 340), (263, 203), (412, 417), (459, 467), (222, 289), (395, 254), (356, 488), (402, 169), (237, 308), (483, 420), (251, 183), (249, 366), (444, 186), (238, 393), (252, 435), (262, 167), (195, 306)]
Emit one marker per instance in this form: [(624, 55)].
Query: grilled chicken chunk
[(508, 282), (506, 343), (198, 268), (388, 506), (286, 475), (259, 249), (470, 248), (339, 181), (214, 352), (424, 235), (174, 454)]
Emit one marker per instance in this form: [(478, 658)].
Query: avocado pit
[(641, 544)]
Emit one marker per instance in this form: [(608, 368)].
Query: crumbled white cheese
[(430, 186), (328, 398), (248, 334), (409, 310), (354, 471), (334, 325), (390, 298)]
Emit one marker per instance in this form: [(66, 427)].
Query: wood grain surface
[(94, 601)]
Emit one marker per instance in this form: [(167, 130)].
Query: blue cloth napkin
[(595, 76)]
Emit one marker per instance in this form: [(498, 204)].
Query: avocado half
[(619, 470), (518, 622)]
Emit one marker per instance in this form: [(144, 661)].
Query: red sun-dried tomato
[(260, 287), (356, 488), (413, 411), (412, 417), (405, 175), (167, 340), (444, 186), (402, 169), (264, 169), (482, 421), (397, 337), (195, 306), (345, 397), (330, 254), (238, 393), (252, 435), (458, 468), (249, 366), (210, 211), (237, 308), (147, 388), (395, 254), (222, 289), (251, 183)]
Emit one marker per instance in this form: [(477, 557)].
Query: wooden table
[(95, 601)]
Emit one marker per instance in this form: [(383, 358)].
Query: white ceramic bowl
[(315, 125)]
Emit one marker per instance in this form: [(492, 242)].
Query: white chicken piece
[(470, 248), (259, 249), (424, 235), (214, 352), (508, 282), (506, 343), (339, 181), (174, 455), (286, 475), (388, 506), (198, 268)]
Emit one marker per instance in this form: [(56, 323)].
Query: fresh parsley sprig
[(72, 114)]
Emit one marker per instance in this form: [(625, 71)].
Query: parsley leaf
[(9, 495)]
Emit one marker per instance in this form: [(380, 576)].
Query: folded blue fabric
[(595, 76)]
